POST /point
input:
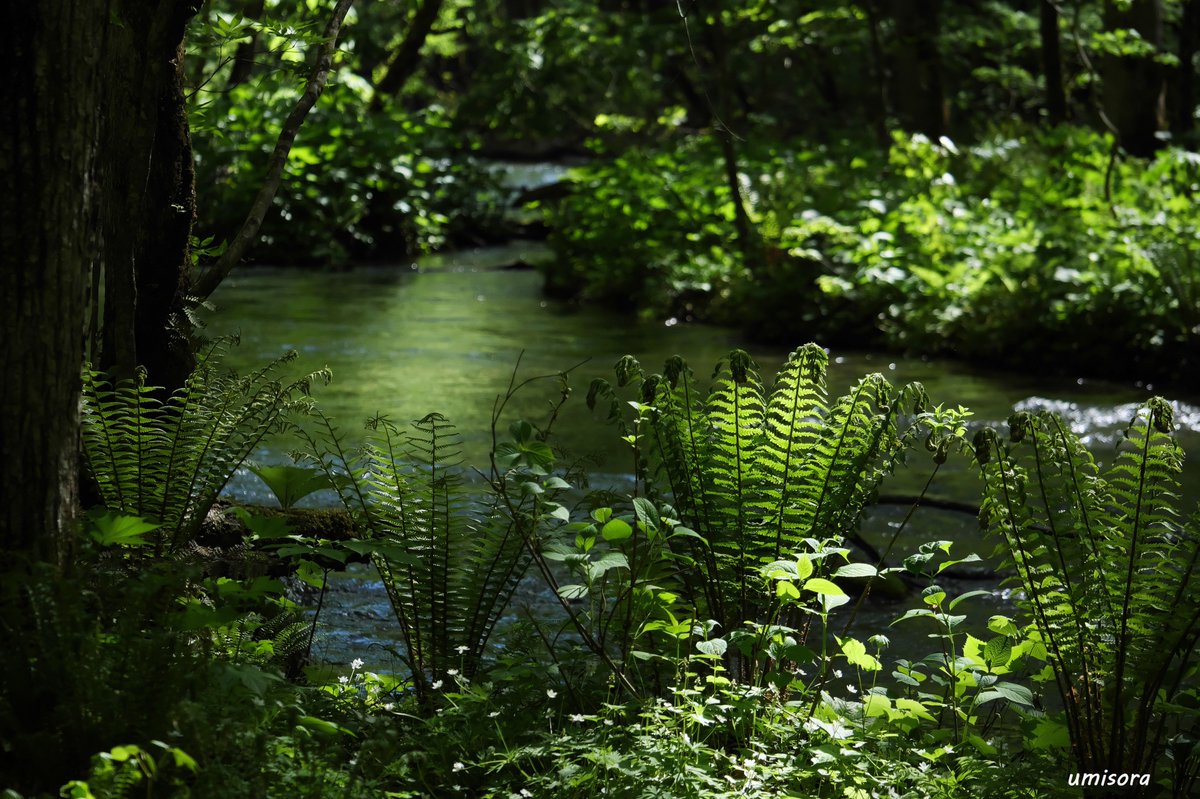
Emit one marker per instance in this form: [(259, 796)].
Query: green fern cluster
[(1111, 574), (759, 474), (167, 460), (449, 560)]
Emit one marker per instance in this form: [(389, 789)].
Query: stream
[(444, 333)]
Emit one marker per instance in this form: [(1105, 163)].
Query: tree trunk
[(917, 89), (49, 104), (147, 177), (243, 58), (1182, 96), (1052, 72), (1132, 85), (879, 111), (408, 54)]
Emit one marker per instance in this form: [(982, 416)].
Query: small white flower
[(837, 673), (525, 792), (578, 717), (344, 680), (949, 749), (437, 684), (462, 650), (493, 714), (458, 765), (852, 689), (608, 722), (356, 664), (551, 693), (452, 672)]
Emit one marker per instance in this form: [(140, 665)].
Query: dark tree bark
[(147, 178), (49, 111), (917, 66), (1182, 97), (1052, 72), (1133, 85)]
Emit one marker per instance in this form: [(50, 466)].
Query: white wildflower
[(578, 717), (437, 684), (344, 680), (356, 664), (852, 689), (462, 650), (458, 765), (551, 693), (452, 672), (493, 714), (526, 793)]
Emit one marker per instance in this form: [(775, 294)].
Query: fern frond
[(1110, 575), (167, 461)]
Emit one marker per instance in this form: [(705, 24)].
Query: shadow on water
[(444, 335)]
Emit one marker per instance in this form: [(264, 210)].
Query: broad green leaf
[(819, 585), (616, 530)]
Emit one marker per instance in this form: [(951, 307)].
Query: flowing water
[(446, 334)]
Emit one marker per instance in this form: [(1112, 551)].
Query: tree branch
[(248, 233)]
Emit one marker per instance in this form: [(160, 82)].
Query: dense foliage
[(679, 662), (1009, 182), (999, 252), (829, 206)]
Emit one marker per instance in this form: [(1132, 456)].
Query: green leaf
[(290, 484), (714, 647), (1017, 694), (120, 530), (573, 591), (856, 570), (998, 651), (616, 530), (819, 585)]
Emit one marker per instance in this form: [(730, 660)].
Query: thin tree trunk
[(408, 54), (243, 57), (917, 90), (248, 234), (49, 105), (1052, 72), (879, 113), (1183, 88), (1132, 85)]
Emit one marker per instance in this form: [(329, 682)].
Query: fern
[(758, 474), (449, 564), (166, 461), (1109, 571)]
